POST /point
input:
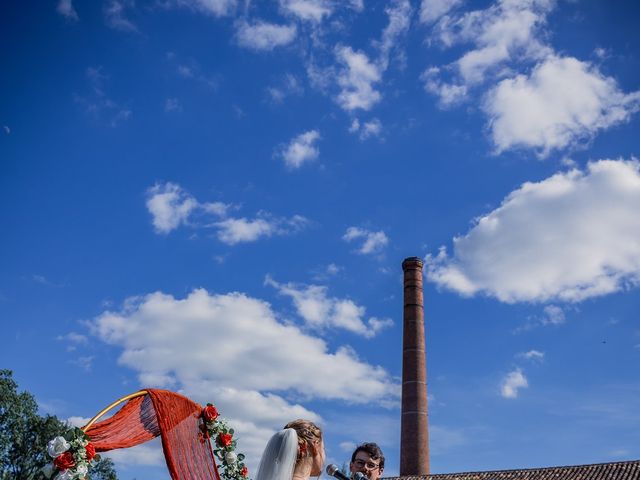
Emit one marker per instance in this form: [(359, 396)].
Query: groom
[(367, 459)]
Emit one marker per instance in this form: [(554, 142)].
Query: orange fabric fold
[(173, 417)]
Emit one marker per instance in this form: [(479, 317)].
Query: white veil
[(279, 456)]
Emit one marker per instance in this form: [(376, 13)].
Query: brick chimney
[(414, 434)]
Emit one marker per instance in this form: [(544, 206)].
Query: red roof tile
[(600, 471)]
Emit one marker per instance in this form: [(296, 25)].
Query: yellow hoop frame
[(139, 393)]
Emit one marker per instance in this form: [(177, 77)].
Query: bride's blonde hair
[(309, 435)]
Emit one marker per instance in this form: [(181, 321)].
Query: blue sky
[(215, 197)]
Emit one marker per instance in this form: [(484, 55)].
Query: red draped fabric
[(173, 417)]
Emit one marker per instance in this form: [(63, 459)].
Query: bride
[(294, 453)]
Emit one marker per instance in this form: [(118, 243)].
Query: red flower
[(91, 451), (244, 472), (203, 431), (224, 439), (64, 461), (210, 413)]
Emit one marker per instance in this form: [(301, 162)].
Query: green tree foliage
[(24, 435)]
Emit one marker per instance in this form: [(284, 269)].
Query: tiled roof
[(599, 471)]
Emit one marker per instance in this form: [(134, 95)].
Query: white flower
[(48, 470), (57, 446), (230, 457), (65, 475), (81, 471)]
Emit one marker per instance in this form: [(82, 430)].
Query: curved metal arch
[(139, 393)]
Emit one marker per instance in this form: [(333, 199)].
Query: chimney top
[(412, 262)]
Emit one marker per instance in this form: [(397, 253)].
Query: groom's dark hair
[(372, 449)]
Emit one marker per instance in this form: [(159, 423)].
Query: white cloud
[(219, 8), (320, 77), (505, 31), (602, 53), (301, 149), (510, 33), (307, 10), (569, 237), (372, 242), (372, 128), (357, 75), (448, 94), (65, 8), (145, 455), (513, 382), (78, 421), (561, 102), (264, 36), (182, 338), (231, 349), (185, 71), (357, 5), (333, 269), (553, 315), (189, 69), (288, 87), (241, 230), (564, 101), (377, 324), (276, 94), (170, 206), (73, 340), (534, 355), (399, 13), (356, 80), (172, 105), (85, 362), (432, 10), (320, 311), (348, 447), (216, 208), (114, 15), (323, 273)]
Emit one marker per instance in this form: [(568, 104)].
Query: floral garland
[(71, 458), (224, 444)]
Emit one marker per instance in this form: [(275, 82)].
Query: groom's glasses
[(368, 465)]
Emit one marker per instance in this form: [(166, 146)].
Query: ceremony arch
[(149, 413)]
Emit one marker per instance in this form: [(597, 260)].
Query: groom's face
[(365, 464)]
